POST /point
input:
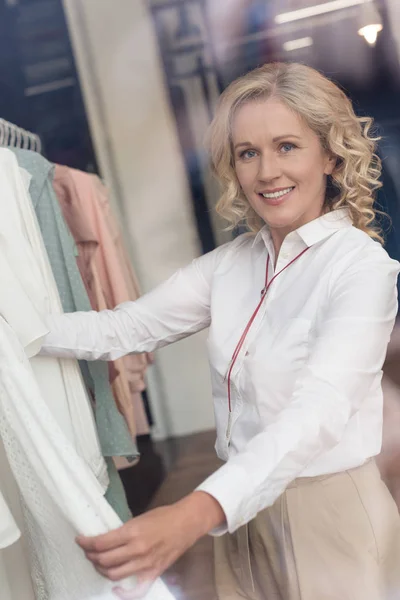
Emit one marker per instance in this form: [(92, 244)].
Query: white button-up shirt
[(306, 385)]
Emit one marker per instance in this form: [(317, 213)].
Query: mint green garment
[(114, 436), (115, 494)]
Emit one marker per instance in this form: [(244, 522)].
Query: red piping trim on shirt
[(251, 320)]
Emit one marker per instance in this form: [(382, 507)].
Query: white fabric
[(18, 283), (29, 292), (15, 577), (61, 497), (306, 387), (9, 531)]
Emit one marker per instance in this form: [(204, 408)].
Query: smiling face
[(280, 165)]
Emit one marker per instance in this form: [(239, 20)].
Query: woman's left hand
[(147, 545)]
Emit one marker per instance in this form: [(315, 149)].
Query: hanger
[(15, 137)]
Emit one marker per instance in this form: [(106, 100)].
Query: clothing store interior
[(106, 179)]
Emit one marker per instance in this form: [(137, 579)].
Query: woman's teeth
[(278, 194)]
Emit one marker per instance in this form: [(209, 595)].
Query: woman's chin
[(279, 222)]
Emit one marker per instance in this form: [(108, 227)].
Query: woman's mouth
[(276, 197)]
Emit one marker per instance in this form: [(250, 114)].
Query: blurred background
[(126, 89)]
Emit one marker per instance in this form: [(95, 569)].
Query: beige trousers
[(334, 537)]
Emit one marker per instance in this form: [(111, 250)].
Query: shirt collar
[(315, 231)]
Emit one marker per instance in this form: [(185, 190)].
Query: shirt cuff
[(226, 485)]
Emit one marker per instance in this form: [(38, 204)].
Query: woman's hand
[(147, 545)]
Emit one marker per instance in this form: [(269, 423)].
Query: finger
[(139, 591), (102, 543), (133, 567), (112, 558)]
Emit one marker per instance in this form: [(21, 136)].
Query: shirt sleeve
[(345, 362), (175, 309)]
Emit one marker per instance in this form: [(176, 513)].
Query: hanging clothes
[(15, 577), (61, 497), (21, 295), (15, 573), (9, 531), (105, 270), (22, 247), (115, 438)]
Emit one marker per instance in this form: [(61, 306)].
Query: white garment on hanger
[(15, 578), (29, 292), (31, 332), (61, 497)]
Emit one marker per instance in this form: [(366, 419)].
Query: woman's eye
[(247, 154), (286, 147)]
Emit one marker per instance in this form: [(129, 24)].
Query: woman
[(300, 314)]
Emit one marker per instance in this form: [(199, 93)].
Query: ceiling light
[(370, 23), (370, 33), (319, 9), (297, 44)]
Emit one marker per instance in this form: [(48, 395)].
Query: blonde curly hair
[(329, 113)]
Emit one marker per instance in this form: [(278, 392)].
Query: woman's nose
[(270, 168)]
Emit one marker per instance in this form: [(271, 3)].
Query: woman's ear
[(330, 164)]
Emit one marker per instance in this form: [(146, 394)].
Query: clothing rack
[(15, 137)]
